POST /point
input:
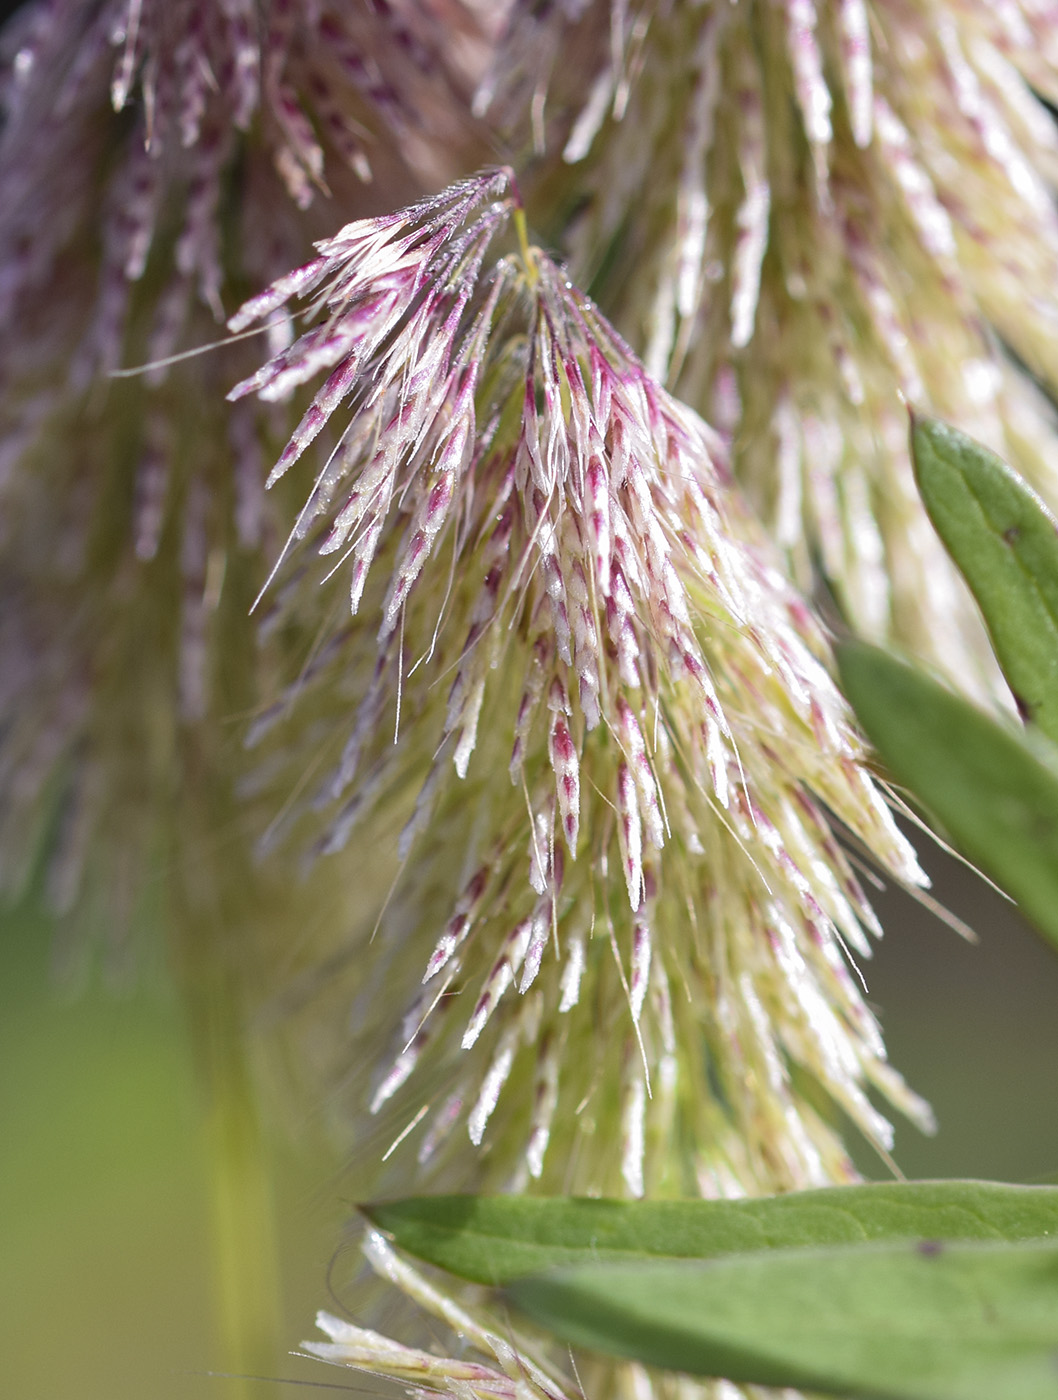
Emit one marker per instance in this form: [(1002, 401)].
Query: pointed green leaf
[(1005, 542), (994, 790), (493, 1239), (905, 1322)]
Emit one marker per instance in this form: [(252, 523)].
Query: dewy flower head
[(804, 210), (601, 718)]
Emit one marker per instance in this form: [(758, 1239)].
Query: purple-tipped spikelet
[(805, 211), (584, 745)]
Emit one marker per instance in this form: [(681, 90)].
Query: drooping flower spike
[(805, 212), (590, 744)]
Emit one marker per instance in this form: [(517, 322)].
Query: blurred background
[(973, 1027), (106, 1286), (107, 1278)]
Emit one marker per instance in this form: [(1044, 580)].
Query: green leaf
[(493, 1239), (994, 790), (1005, 542), (905, 1322)]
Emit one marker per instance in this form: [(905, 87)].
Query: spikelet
[(589, 739)]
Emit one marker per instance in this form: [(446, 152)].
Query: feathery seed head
[(553, 578)]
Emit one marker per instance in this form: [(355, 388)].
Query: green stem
[(246, 1268)]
